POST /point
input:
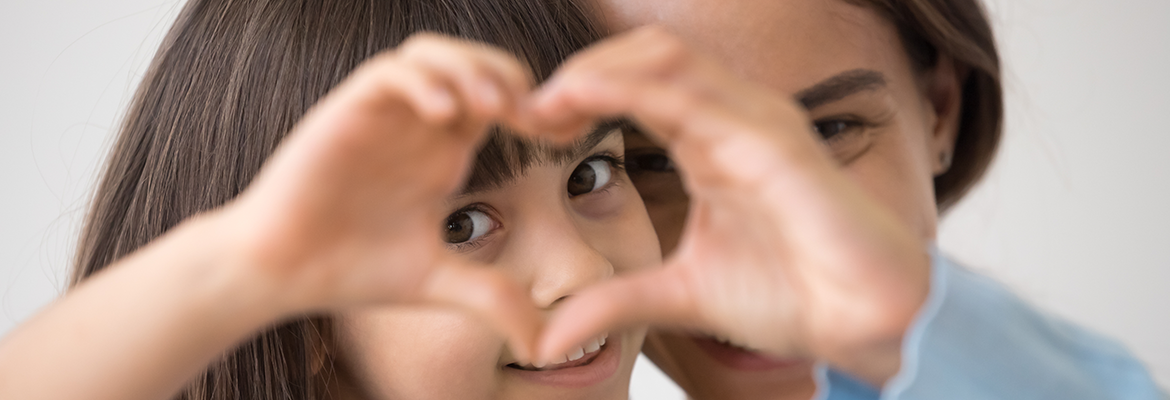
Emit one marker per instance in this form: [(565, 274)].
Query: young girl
[(289, 169)]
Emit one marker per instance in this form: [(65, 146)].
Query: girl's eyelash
[(618, 163)]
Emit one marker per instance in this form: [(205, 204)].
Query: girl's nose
[(563, 261)]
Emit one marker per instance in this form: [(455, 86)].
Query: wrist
[(869, 346)]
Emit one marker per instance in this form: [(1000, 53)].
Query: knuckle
[(385, 62), (411, 43), (382, 57), (379, 62), (493, 52), (423, 43), (423, 38)]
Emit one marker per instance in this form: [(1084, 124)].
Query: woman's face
[(884, 123), (561, 225)]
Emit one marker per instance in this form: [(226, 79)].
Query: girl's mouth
[(586, 365), (739, 358)]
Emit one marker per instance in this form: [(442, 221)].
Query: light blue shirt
[(974, 339)]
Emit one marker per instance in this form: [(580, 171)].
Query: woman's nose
[(562, 261)]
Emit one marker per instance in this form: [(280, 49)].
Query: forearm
[(141, 328)]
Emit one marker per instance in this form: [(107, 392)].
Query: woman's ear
[(943, 91)]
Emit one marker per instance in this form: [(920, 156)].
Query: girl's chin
[(741, 359)]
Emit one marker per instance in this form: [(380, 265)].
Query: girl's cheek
[(609, 203)]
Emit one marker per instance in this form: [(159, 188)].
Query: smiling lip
[(585, 372), (741, 359)]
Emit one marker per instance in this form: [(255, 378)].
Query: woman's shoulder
[(976, 339)]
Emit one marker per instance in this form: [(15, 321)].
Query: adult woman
[(905, 94)]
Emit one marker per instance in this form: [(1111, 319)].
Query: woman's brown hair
[(958, 29), (229, 81)]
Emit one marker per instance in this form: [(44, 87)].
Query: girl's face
[(884, 123), (561, 225)]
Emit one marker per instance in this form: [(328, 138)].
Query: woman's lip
[(600, 368), (740, 359)]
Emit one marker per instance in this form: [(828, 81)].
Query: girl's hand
[(348, 211), (782, 253), (345, 213)]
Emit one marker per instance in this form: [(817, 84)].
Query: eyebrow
[(505, 158), (601, 132), (841, 86)]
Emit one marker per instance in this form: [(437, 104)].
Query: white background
[(1074, 215)]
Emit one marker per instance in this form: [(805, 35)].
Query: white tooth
[(602, 341), (539, 364), (593, 346), (559, 360), (576, 354), (603, 336)]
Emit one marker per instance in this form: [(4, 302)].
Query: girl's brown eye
[(467, 225), (589, 176)]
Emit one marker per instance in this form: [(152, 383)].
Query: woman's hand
[(348, 211), (782, 253)]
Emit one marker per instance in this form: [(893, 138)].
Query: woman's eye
[(467, 225), (589, 176), (648, 162), (828, 129)]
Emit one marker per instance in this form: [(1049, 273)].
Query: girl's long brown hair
[(230, 80)]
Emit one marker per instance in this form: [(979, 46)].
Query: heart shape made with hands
[(781, 252)]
